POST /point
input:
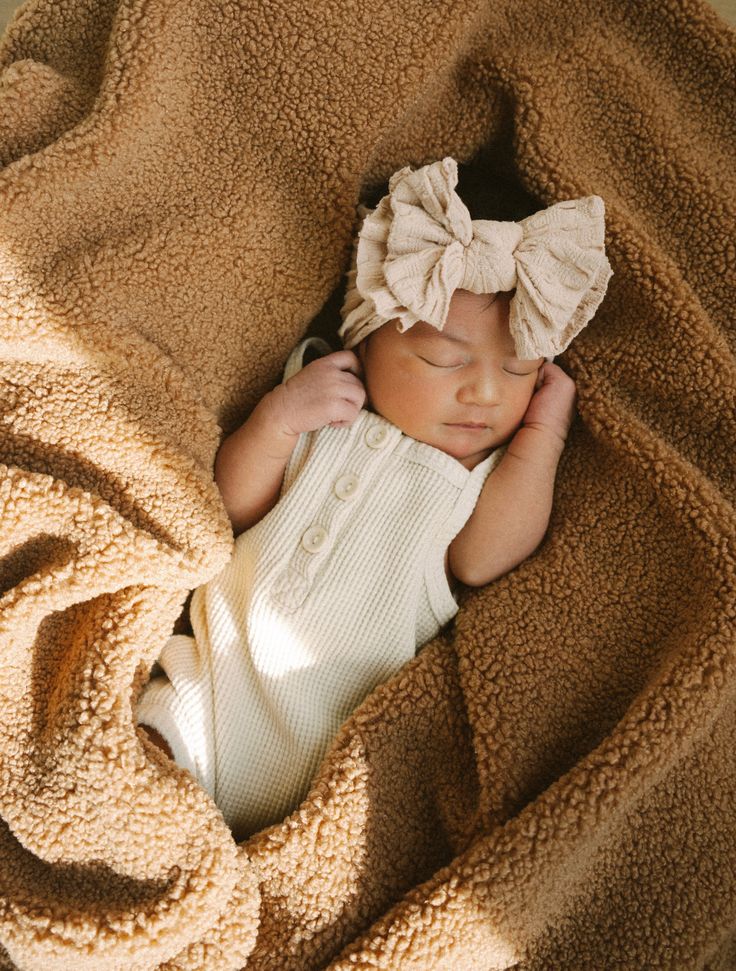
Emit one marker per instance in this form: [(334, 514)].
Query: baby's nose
[(481, 387)]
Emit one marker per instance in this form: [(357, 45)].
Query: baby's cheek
[(525, 400), (414, 390), (403, 374), (408, 362), (423, 382)]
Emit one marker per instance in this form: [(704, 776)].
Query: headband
[(419, 245)]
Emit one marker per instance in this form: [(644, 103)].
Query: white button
[(290, 589), (376, 436), (346, 486), (313, 538)]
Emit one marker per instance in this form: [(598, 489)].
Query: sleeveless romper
[(323, 599)]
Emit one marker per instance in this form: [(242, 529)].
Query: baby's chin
[(470, 458), (465, 444), (462, 447)]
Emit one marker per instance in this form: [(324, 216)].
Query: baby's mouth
[(466, 424)]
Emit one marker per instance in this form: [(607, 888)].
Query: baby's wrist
[(535, 443), (269, 415)]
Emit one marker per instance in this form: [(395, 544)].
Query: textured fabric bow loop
[(419, 245)]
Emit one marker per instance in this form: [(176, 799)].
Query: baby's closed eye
[(435, 361), (440, 363)]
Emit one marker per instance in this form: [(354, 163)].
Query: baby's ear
[(360, 350)]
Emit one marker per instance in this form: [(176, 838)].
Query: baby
[(359, 489)]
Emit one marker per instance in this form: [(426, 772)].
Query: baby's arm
[(250, 463), (513, 509)]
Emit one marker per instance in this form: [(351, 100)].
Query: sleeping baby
[(374, 479)]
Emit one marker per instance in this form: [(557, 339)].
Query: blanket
[(550, 784)]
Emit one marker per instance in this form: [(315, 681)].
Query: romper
[(327, 596)]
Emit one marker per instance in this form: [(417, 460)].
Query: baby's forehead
[(489, 341), (485, 338)]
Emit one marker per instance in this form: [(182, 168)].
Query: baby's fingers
[(344, 412), (352, 388), (345, 361)]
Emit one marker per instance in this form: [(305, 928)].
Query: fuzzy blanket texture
[(551, 783)]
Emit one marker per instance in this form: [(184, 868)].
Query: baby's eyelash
[(517, 374), (459, 364)]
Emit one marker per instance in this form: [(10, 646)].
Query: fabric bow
[(419, 245)]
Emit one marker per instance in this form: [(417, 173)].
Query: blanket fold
[(550, 783)]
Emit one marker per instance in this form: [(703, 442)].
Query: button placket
[(294, 583)]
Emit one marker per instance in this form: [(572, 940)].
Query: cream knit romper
[(323, 599)]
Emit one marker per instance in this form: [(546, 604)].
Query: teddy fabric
[(324, 598), (550, 783)]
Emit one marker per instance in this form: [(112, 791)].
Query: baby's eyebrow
[(444, 337), (456, 340)]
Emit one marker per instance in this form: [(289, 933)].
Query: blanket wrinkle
[(549, 783)]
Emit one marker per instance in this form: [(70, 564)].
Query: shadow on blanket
[(549, 784)]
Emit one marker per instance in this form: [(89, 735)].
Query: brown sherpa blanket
[(551, 784)]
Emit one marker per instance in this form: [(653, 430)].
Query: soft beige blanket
[(551, 786)]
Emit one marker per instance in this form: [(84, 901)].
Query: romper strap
[(295, 360)]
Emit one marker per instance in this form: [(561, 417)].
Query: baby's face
[(461, 389)]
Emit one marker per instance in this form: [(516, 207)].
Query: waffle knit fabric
[(551, 785), (330, 594)]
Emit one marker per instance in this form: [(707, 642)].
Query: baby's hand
[(326, 392), (553, 404)]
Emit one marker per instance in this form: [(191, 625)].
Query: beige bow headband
[(419, 245)]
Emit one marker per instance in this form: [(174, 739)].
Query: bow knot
[(419, 245)]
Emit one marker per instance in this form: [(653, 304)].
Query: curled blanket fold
[(549, 784)]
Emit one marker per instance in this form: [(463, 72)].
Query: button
[(376, 436), (314, 538), (346, 486), (290, 589)]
